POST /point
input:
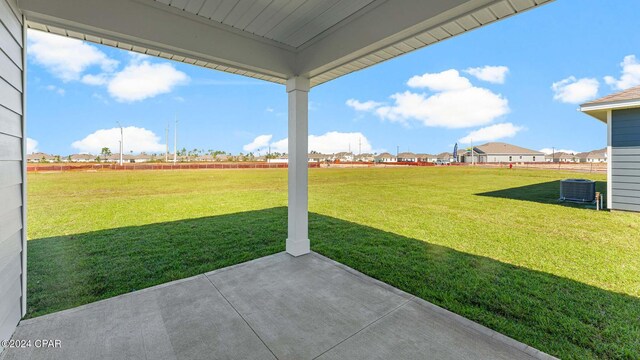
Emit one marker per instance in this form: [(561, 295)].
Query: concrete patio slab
[(276, 307)]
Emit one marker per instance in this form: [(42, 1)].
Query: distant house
[(141, 158), (426, 158), (205, 158), (318, 158), (581, 157), (499, 152), (83, 158), (564, 157), (40, 157), (385, 158), (407, 157), (366, 157), (445, 157), (597, 156), (343, 156), (284, 159)]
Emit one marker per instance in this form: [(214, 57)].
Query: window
[(520, 157), (509, 158), (534, 158)]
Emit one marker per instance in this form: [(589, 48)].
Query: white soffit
[(290, 22), (272, 39)]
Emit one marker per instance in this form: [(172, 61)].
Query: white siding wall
[(11, 169)]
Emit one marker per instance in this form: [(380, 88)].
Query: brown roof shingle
[(504, 148), (629, 94)]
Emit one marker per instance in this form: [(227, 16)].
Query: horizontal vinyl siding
[(10, 122), (10, 172), (10, 148), (625, 159), (10, 72), (11, 169), (10, 280), (10, 197), (11, 97)]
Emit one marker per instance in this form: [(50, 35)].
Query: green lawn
[(490, 244)]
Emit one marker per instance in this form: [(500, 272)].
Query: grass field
[(493, 245)]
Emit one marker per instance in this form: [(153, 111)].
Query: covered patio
[(275, 307), (293, 305)]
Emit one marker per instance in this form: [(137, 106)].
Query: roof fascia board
[(140, 23), (611, 105)]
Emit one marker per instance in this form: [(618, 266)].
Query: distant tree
[(69, 158), (58, 159), (98, 159), (105, 152)]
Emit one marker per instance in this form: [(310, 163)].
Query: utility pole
[(175, 142), (121, 143), (553, 154), (166, 140), (359, 146), (397, 151)]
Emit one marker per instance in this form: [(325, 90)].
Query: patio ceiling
[(272, 40)]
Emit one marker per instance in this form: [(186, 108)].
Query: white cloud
[(269, 110), (138, 57), (329, 143), (57, 90), (492, 133), (139, 81), (69, 59), (64, 57), (95, 79), (448, 80), (456, 103), (32, 146), (450, 109), (550, 151), (492, 74), (135, 139), (260, 142), (363, 106), (630, 74), (575, 91)]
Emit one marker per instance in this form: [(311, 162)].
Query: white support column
[(298, 237)]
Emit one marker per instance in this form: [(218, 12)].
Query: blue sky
[(77, 92)]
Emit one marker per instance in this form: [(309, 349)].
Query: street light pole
[(121, 143), (175, 142), (166, 140)]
